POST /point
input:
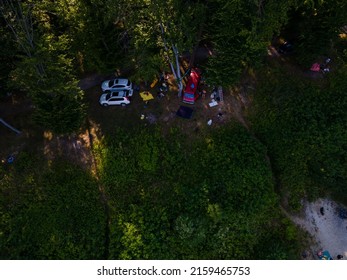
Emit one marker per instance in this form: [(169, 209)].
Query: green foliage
[(304, 127), (44, 65), (59, 104), (52, 86), (168, 198), (245, 181), (59, 108), (100, 41), (243, 40), (50, 213), (283, 242), (144, 47), (314, 27), (7, 58), (148, 64), (171, 199)]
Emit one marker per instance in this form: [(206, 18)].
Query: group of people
[(324, 255), (323, 67)]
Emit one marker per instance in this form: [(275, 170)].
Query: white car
[(114, 98), (116, 85)]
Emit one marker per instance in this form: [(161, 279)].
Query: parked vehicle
[(115, 98), (116, 85), (191, 93)]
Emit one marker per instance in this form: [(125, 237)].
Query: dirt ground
[(101, 121), (163, 111), (16, 111)]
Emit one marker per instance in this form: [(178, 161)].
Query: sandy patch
[(321, 219)]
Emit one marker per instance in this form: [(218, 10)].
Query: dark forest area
[(83, 181)]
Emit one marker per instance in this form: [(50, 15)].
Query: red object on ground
[(191, 90), (315, 67)]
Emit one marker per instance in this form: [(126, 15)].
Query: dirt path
[(93, 80)]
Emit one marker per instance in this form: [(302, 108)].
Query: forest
[(87, 182)]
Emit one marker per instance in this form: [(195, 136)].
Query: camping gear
[(146, 96), (324, 255), (10, 159), (155, 81), (160, 95), (220, 93), (163, 87), (285, 48), (213, 103), (315, 67), (184, 112)]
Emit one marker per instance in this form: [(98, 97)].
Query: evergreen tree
[(44, 69)]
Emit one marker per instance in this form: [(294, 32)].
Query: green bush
[(303, 124), (171, 199), (50, 212)]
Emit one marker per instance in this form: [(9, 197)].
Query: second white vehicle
[(116, 85)]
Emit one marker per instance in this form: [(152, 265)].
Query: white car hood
[(102, 98)]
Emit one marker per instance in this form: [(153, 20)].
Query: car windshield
[(108, 96), (188, 95)]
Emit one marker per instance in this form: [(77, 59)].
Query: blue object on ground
[(325, 256), (10, 159)]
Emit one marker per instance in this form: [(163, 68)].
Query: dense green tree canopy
[(52, 213), (155, 193), (211, 201), (304, 127), (241, 31)]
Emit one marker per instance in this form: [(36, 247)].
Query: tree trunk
[(176, 72), (21, 25), (9, 126)]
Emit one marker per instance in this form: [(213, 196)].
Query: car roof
[(193, 81), (116, 96), (121, 81), (120, 93)]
